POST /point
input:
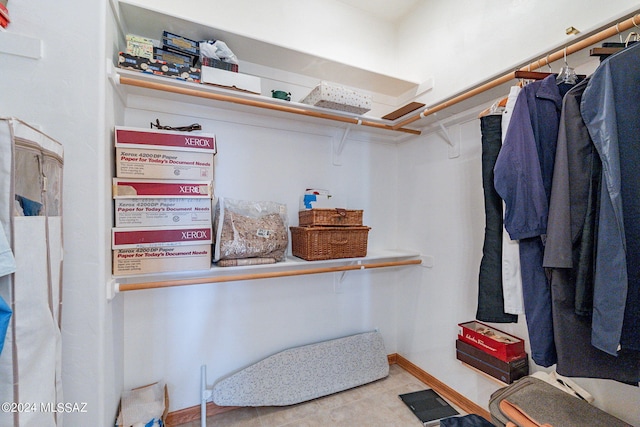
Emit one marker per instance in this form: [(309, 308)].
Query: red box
[(159, 139), (140, 237), (493, 341)]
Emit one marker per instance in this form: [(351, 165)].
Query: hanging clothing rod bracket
[(445, 133), (454, 145), (337, 150), (113, 287)]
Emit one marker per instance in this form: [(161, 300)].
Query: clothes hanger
[(608, 49), (495, 109), (566, 74)]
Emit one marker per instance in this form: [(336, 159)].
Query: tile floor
[(371, 405)]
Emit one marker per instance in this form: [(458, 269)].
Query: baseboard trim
[(444, 390), (186, 415)]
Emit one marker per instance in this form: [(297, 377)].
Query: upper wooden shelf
[(145, 84)]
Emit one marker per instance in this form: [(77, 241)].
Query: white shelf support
[(338, 278), (454, 144), (337, 149), (112, 289), (114, 78)]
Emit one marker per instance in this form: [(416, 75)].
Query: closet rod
[(269, 275), (260, 104), (634, 21)]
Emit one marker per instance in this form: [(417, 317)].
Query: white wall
[(325, 28), (476, 40), (64, 94), (170, 333), (413, 195)]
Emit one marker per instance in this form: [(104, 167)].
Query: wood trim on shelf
[(123, 287), (192, 413), (125, 80)]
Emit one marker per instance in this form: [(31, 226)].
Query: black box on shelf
[(506, 372), (175, 41), (172, 57), (159, 68), (216, 63)]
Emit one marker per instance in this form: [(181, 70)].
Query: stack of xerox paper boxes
[(162, 194)]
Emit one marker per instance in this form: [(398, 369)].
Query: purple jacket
[(524, 168)]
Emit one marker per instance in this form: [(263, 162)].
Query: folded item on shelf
[(247, 229)]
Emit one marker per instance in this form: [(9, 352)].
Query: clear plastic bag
[(247, 229)]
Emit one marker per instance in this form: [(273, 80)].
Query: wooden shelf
[(291, 267), (146, 84)]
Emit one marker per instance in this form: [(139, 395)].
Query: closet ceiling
[(390, 11)]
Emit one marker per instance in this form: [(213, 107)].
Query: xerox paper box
[(139, 237), (149, 203), (158, 139), (147, 188), (491, 340), (162, 212), (161, 259), (163, 164)]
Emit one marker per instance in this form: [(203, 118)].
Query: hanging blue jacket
[(610, 108), (522, 177)]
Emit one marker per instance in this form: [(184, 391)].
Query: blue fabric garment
[(570, 252), (29, 207), (610, 108), (471, 420), (5, 317), (522, 177)]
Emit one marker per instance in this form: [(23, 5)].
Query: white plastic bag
[(217, 49), (246, 229)]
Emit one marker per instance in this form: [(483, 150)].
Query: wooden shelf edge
[(199, 90), (125, 287)]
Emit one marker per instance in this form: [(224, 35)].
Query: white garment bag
[(31, 165)]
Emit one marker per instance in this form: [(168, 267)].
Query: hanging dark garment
[(610, 108), (490, 296), (570, 252), (523, 173)]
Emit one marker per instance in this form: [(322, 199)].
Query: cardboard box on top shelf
[(231, 80)]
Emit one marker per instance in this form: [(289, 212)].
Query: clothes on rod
[(511, 275), (611, 107), (523, 173), (490, 294), (570, 251), (568, 174)]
